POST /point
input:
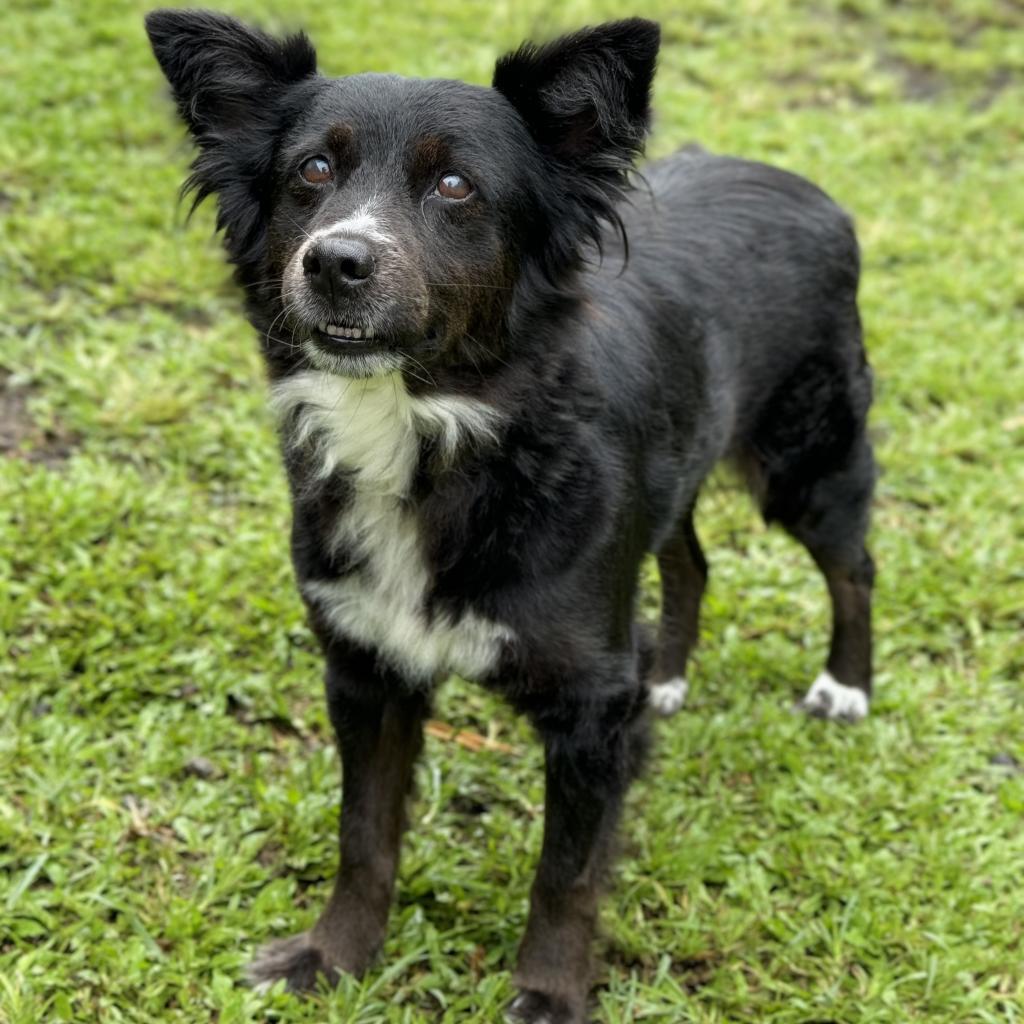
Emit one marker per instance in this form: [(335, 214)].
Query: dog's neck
[(372, 427)]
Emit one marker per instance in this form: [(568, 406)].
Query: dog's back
[(733, 324), (744, 268)]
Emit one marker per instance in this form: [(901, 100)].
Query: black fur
[(615, 384)]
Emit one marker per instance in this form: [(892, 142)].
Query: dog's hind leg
[(825, 504), (809, 462), (684, 574), (833, 529)]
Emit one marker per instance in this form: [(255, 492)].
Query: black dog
[(491, 409)]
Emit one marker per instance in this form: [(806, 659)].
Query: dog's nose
[(332, 265)]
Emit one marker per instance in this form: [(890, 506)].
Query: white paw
[(828, 698), (667, 698)]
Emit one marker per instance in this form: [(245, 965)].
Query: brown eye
[(316, 170), (454, 186)]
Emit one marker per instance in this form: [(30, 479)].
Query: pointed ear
[(230, 82), (586, 97), (222, 71)]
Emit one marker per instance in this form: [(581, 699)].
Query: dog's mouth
[(343, 342), (361, 350), (351, 350), (340, 338)]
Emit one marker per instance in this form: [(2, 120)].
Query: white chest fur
[(372, 429)]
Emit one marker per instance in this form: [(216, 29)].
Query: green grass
[(167, 777)]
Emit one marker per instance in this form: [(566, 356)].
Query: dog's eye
[(316, 170), (454, 186)]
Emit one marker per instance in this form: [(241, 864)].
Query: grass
[(167, 777)]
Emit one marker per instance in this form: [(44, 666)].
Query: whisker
[(267, 336), (299, 226), (267, 282), (292, 345), (295, 327), (476, 365), (423, 368), (469, 284), (416, 376), (490, 352)]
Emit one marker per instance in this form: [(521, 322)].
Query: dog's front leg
[(590, 760), (379, 726)]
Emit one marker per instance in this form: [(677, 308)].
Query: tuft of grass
[(167, 777)]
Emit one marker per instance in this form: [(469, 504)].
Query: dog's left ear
[(586, 100), (586, 97)]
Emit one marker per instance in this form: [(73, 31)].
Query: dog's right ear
[(230, 82), (222, 72)]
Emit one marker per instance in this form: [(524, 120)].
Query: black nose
[(332, 265)]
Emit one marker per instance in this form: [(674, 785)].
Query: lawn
[(167, 776)]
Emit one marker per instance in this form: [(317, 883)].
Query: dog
[(503, 365)]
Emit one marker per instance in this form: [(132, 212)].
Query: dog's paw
[(533, 1007), (296, 960), (667, 698), (828, 698)]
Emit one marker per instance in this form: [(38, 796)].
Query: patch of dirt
[(998, 81), (808, 91), (1005, 15), (21, 437), (692, 972), (919, 83)]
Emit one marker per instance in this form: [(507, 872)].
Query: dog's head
[(378, 222)]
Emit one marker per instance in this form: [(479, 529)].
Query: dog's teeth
[(322, 326), (345, 333)]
